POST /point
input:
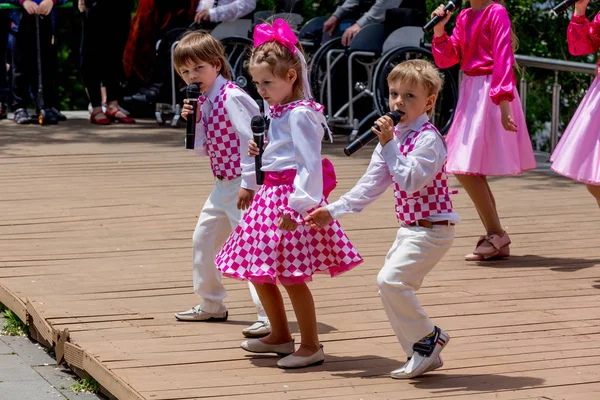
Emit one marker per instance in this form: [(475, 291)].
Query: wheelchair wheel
[(447, 98), (318, 70), (237, 51)]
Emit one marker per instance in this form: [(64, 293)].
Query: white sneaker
[(257, 330), (400, 372), (197, 314), (426, 355)]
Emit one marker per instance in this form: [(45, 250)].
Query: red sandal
[(99, 121), (115, 117)]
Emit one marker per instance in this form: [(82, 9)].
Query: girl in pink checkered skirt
[(272, 244)]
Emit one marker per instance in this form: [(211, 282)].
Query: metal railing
[(556, 66)]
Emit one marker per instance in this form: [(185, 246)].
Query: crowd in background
[(119, 44)]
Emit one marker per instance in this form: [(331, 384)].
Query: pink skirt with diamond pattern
[(258, 251)]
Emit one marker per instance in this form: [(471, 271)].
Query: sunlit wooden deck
[(95, 238)]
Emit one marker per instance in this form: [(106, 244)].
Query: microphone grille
[(257, 124), (395, 116), (193, 91)]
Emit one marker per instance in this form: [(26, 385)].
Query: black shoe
[(50, 118), (21, 117), (57, 114), (3, 111), (148, 95)]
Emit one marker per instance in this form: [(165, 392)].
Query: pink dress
[(261, 252), (477, 142), (577, 155)]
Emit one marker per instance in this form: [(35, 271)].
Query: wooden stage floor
[(95, 252)]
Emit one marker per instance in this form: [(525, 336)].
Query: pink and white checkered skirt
[(258, 251)]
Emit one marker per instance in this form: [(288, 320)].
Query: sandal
[(114, 117), (99, 121), (490, 247)]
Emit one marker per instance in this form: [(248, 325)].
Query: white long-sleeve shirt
[(413, 172), (240, 110), (227, 10), (295, 143)]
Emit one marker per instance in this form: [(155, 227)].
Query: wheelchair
[(358, 77)]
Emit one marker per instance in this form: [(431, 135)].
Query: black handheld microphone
[(258, 129), (562, 7), (192, 92), (367, 137), (450, 6)]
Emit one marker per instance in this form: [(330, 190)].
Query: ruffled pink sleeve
[(583, 36), (503, 76), (446, 49)]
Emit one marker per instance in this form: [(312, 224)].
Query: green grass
[(85, 385), (13, 326)]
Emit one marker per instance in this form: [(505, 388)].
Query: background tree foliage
[(539, 35)]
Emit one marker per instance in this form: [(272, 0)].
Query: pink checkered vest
[(222, 142), (432, 199)]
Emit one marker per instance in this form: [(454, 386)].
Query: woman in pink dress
[(577, 155), (488, 136)]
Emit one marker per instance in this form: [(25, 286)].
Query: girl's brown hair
[(280, 59), (201, 46)]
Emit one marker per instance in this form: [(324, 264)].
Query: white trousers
[(414, 253), (218, 218)]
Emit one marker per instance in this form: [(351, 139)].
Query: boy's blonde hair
[(419, 72), (200, 46), (280, 59)]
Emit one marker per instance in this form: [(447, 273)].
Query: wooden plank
[(73, 355), (13, 302), (111, 382), (35, 320), (112, 217)]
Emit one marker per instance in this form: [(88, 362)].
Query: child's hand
[(45, 7), (31, 7), (386, 129), (438, 30), (245, 197), (188, 109), (286, 223), (319, 219), (252, 148), (507, 119), (581, 7)]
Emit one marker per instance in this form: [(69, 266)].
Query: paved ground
[(28, 372)]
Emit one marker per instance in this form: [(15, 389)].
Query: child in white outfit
[(223, 130), (411, 156)]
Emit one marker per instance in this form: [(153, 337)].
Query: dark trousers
[(4, 28), (25, 62), (105, 32)]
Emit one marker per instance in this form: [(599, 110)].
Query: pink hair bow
[(279, 32)]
